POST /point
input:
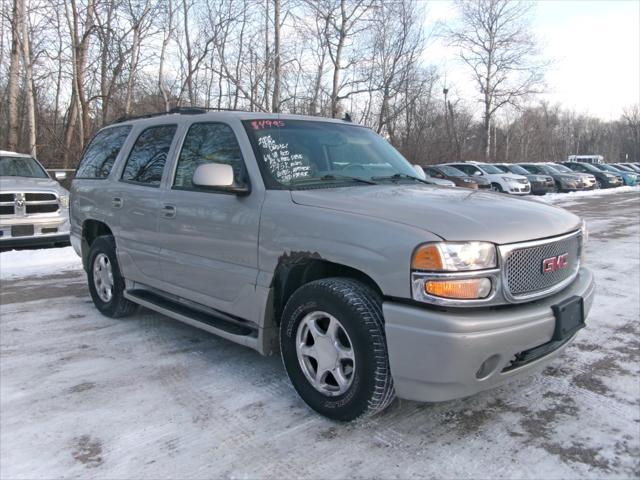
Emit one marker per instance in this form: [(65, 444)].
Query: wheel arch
[(92, 229), (300, 268)]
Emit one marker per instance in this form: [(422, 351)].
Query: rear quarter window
[(100, 155)]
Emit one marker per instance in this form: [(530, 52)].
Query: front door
[(210, 238)]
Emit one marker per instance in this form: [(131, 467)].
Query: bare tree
[(14, 73), (497, 45)]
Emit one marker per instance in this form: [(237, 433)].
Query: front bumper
[(540, 188), (47, 230), (518, 188), (435, 355)]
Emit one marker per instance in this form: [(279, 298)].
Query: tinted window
[(533, 168), (21, 167), (207, 143), (148, 155), (99, 156)]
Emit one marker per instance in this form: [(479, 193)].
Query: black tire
[(599, 184), (496, 187), (118, 306), (358, 309)]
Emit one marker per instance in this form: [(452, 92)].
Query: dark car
[(458, 177), (565, 182), (603, 179), (540, 184), (631, 166), (587, 178)]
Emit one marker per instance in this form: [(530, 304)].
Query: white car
[(500, 181), (34, 208)]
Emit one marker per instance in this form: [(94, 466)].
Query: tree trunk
[(275, 100), (14, 71), (29, 94)]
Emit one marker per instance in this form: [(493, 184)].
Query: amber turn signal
[(468, 289), (427, 257)]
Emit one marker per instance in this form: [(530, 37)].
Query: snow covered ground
[(82, 395)]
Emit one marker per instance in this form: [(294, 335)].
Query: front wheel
[(598, 184), (334, 348), (496, 187), (106, 283)]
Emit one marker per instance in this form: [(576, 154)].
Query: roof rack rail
[(180, 111)]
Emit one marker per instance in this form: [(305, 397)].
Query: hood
[(451, 213), (18, 184), (569, 176)]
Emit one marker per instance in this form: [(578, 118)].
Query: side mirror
[(420, 172), (60, 175), (218, 176)]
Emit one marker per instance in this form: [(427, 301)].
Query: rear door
[(210, 238), (137, 199)]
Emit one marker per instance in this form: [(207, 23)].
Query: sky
[(594, 47)]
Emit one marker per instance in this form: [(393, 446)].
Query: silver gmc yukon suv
[(314, 237), (34, 209)]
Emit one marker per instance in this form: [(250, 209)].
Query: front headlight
[(64, 201), (608, 175), (454, 257), (507, 179)]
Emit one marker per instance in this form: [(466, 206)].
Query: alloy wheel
[(325, 353)]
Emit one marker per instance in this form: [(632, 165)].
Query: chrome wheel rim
[(325, 353), (103, 277)]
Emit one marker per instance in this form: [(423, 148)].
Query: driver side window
[(208, 143)]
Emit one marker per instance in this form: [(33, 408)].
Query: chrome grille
[(523, 269), (22, 204)]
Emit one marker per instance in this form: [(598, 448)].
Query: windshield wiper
[(402, 176), (329, 177)]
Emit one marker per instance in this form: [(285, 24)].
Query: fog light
[(487, 367), (468, 289)]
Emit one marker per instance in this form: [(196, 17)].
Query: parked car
[(565, 182), (629, 178), (540, 184), (500, 182), (420, 173), (588, 179), (603, 179), (458, 177), (33, 206), (632, 166), (313, 237)]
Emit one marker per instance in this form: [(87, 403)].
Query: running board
[(215, 323)]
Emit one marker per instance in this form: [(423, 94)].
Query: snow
[(86, 396), (48, 261), (571, 196)]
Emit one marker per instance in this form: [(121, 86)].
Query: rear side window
[(98, 159), (149, 155), (207, 143)]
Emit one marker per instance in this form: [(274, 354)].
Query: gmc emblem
[(552, 264)]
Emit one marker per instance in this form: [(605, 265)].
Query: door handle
[(116, 202), (168, 211)]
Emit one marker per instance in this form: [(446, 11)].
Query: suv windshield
[(302, 154), (490, 169), (21, 167), (517, 169), (562, 168), (452, 171)]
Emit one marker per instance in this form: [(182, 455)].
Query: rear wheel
[(334, 349), (106, 283)]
